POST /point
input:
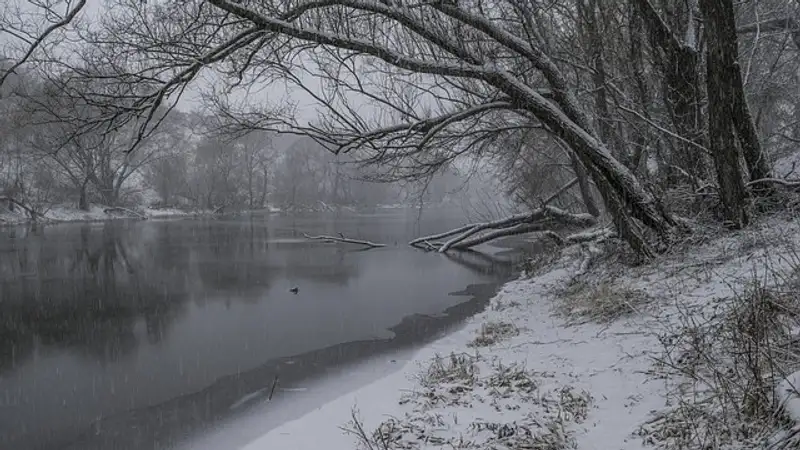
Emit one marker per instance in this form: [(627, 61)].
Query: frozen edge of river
[(584, 386)]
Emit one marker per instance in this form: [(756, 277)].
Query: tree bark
[(594, 41), (682, 95), (721, 68), (584, 185), (83, 203), (746, 130)]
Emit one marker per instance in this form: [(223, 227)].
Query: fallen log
[(344, 239), (424, 239), (473, 234), (125, 210), (595, 235), (521, 228)]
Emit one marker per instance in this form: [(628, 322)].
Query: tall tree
[(680, 67), (723, 98)]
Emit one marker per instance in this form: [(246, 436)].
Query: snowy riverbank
[(100, 213), (619, 358), (96, 213)]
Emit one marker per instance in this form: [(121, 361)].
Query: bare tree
[(31, 26), (430, 72), (408, 89)]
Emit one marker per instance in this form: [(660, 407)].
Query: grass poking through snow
[(602, 303), (723, 363), (494, 332), (468, 402)]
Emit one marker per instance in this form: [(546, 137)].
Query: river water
[(140, 334)]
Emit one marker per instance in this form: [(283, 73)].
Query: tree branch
[(344, 239), (69, 17)]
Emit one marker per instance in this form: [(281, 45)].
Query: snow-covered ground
[(591, 362), (96, 213)]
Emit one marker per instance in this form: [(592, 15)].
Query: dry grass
[(601, 303), (458, 368), (523, 410), (540, 262), (492, 333), (728, 359)]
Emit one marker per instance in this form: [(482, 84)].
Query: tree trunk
[(722, 53), (264, 187), (682, 95), (584, 185), (636, 57), (594, 41), (684, 100), (746, 130), (83, 202)]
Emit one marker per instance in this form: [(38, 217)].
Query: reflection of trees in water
[(102, 290), (85, 290), (481, 263)]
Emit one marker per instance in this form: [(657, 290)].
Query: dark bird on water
[(294, 290)]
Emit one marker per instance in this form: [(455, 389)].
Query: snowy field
[(605, 360)]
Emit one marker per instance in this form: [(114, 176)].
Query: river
[(139, 334)]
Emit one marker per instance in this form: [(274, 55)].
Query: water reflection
[(99, 319)]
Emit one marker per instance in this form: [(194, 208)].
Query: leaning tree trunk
[(611, 177), (721, 68)]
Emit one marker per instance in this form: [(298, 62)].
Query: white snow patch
[(787, 396)]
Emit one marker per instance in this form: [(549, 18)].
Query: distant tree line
[(55, 150)]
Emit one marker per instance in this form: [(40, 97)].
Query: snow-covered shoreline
[(99, 213), (560, 362), (96, 213)]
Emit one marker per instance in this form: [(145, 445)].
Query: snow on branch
[(433, 237), (343, 239), (593, 235), (428, 128), (471, 235), (781, 181), (65, 20), (324, 38)]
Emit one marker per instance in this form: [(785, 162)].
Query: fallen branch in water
[(125, 210), (344, 239), (538, 220), (274, 385), (427, 239)]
